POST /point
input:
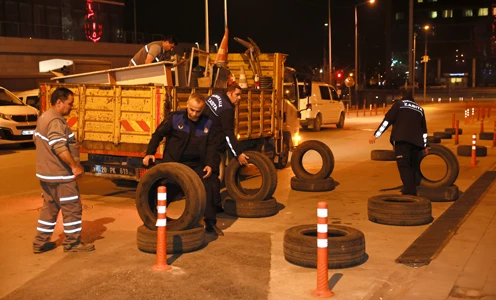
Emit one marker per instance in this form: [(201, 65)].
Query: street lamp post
[(330, 48), (426, 28), (357, 72), (414, 63)]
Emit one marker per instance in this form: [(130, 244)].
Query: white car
[(322, 107), (17, 120), (30, 97)]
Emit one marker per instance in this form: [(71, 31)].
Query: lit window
[(433, 14), (494, 11), (420, 1), (483, 12), (400, 16), (468, 13), (448, 13)]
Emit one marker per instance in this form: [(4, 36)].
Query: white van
[(17, 120), (322, 107), (30, 97)]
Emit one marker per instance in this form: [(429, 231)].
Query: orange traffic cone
[(221, 58)]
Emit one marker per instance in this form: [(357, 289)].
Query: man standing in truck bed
[(154, 52)]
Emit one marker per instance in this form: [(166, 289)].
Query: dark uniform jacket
[(178, 129), (221, 111), (408, 122)]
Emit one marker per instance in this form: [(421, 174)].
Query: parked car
[(17, 120), (30, 97), (323, 106)]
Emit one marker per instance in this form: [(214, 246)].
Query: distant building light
[(448, 13), (483, 12), (461, 55), (456, 74), (468, 13), (399, 16), (433, 14), (456, 50)]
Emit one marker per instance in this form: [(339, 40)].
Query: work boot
[(79, 247), (46, 247), (213, 229)]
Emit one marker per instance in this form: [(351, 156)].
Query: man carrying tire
[(188, 141), (409, 138), (221, 111)]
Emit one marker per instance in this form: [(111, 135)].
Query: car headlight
[(5, 117)]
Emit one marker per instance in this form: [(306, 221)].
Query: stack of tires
[(312, 182), (251, 203), (184, 234)]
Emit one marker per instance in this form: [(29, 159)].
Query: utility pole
[(330, 44), (207, 42)]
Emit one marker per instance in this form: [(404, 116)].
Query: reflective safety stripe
[(47, 223), (230, 146), (322, 243), (381, 129), (55, 141), (146, 48), (44, 230), (55, 177), (156, 58), (73, 223), (69, 198), (71, 135), (161, 223), (322, 228), (424, 135), (134, 63), (42, 137), (321, 212), (73, 230)]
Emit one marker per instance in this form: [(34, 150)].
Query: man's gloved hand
[(146, 159)]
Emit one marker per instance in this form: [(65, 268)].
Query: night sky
[(295, 27)]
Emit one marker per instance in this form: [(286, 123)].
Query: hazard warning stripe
[(135, 126), (72, 121), (143, 125), (127, 126)]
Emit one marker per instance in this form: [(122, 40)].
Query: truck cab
[(320, 105)]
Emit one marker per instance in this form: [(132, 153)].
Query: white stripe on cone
[(161, 209), (322, 228), (321, 212), (161, 223), (322, 243), (162, 196)]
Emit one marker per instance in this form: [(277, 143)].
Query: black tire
[(312, 185), (443, 135), (267, 171), (346, 246), (383, 155), (176, 241), (251, 209), (340, 123), (440, 194), (401, 210), (466, 150), (317, 123), (325, 153), (452, 167), (433, 139), (453, 130), (487, 136), (125, 183), (190, 183), (283, 158)]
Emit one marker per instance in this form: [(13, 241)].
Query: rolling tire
[(340, 123), (267, 170), (433, 140), (487, 136), (190, 183), (345, 246), (325, 153), (401, 210), (383, 155), (177, 241), (317, 123), (440, 194), (443, 135), (312, 185), (251, 209), (466, 150), (453, 130), (452, 170)]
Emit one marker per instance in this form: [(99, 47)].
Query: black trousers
[(408, 162)]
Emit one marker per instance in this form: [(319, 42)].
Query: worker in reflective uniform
[(409, 138), (58, 167), (154, 52)]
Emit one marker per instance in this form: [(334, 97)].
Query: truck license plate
[(27, 132), (113, 170)]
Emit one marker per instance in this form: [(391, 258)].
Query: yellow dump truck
[(117, 110)]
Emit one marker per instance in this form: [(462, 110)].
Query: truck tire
[(452, 167), (487, 136), (267, 171), (401, 210), (345, 246), (340, 123), (440, 194), (312, 185), (453, 130), (433, 139), (383, 155), (190, 183), (317, 123), (251, 209), (325, 153), (283, 158), (466, 150), (177, 241), (443, 135)]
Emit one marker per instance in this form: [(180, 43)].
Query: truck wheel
[(312, 185), (317, 123), (401, 210), (251, 209), (345, 246), (283, 158), (340, 124), (267, 171), (177, 241), (327, 160), (188, 181), (452, 167)]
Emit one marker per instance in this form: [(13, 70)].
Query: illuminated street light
[(426, 59), (216, 47), (197, 45)]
